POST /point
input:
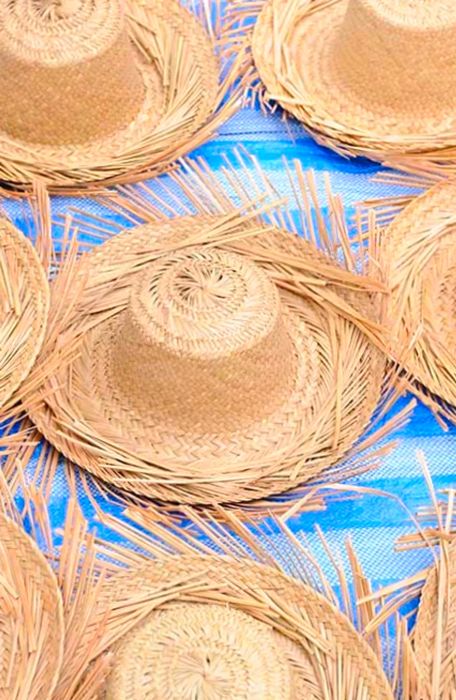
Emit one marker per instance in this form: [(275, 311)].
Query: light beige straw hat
[(226, 360), (24, 292), (31, 618), (435, 631), (102, 90), (366, 77), (220, 629), (419, 259)]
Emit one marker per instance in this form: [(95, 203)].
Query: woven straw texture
[(24, 292), (220, 629), (364, 77), (101, 97), (171, 349), (436, 627), (419, 258), (31, 618)]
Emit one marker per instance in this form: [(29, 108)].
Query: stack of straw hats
[(365, 77), (102, 91)]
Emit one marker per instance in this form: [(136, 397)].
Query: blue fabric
[(372, 522)]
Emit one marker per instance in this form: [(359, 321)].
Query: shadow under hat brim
[(165, 124), (422, 313), (308, 434), (309, 85), (24, 322), (294, 610)]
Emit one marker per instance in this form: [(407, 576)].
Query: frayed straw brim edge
[(346, 140)]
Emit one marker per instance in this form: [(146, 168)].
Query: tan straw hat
[(419, 259), (31, 618), (371, 77), (24, 291), (226, 360), (102, 90), (215, 628), (435, 631)]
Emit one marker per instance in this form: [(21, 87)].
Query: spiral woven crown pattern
[(222, 629), (186, 651), (69, 71), (199, 326)]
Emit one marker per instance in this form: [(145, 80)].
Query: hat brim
[(338, 385), (418, 255), (25, 295), (168, 124), (437, 611), (294, 610), (293, 55), (31, 657)]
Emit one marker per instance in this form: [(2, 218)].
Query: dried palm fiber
[(24, 296), (31, 618), (210, 300), (418, 256), (435, 632), (167, 590), (427, 651), (364, 77), (107, 90)]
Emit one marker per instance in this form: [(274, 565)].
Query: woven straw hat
[(23, 314), (218, 628), (219, 371), (419, 259), (435, 631), (370, 77), (101, 89), (31, 618)]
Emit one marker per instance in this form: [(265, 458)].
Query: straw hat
[(370, 77), (24, 292), (218, 628), (95, 92), (435, 631), (31, 618), (218, 370), (419, 259)]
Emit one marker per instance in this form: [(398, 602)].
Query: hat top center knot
[(203, 285), (55, 10), (205, 302)]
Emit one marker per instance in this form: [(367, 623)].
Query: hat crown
[(204, 341), (68, 69), (398, 52)]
